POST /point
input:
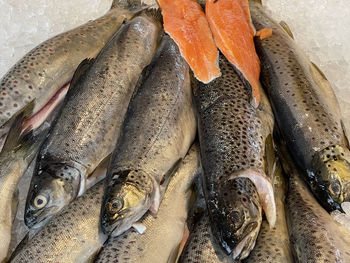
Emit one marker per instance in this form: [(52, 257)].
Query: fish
[(272, 244), (185, 22), (236, 143), (71, 236), (314, 235), (166, 230), (202, 246), (233, 32), (306, 111), (15, 157), (143, 162), (48, 68), (88, 126)]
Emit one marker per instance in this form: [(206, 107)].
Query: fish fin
[(139, 227), (264, 33), (255, 2), (99, 173), (346, 138), (153, 12), (265, 192), (319, 70), (132, 5), (14, 134), (286, 28), (80, 71), (14, 205)]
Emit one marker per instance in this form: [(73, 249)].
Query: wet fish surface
[(18, 152), (306, 111), (50, 66), (89, 124), (233, 136), (166, 230), (71, 236), (272, 244), (158, 130), (314, 235)]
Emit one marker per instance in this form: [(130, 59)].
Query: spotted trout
[(166, 230), (87, 129), (15, 157), (49, 67), (158, 130), (306, 111), (314, 235), (236, 145), (71, 236)]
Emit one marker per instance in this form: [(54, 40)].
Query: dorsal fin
[(286, 28), (319, 70)]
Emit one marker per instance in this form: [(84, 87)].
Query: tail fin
[(16, 122), (154, 13), (255, 2), (132, 5)]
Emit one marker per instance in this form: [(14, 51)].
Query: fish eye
[(40, 201), (114, 205)]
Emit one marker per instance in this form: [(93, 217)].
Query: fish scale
[(88, 126), (306, 111), (232, 136), (50, 66)]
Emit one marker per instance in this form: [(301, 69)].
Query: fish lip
[(34, 220)]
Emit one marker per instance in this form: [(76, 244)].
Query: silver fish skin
[(237, 182), (202, 247), (306, 111), (166, 230), (314, 235), (272, 244), (87, 129), (71, 236), (158, 130), (18, 152), (50, 65)]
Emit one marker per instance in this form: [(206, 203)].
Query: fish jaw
[(51, 190), (331, 169), (265, 191), (128, 196), (237, 225)]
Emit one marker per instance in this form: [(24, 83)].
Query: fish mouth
[(114, 226), (35, 219)]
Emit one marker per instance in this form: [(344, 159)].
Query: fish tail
[(154, 13), (132, 5), (16, 122), (255, 2)]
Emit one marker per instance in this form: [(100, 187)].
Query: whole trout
[(158, 130), (306, 111), (50, 66), (166, 230), (236, 167), (88, 126)]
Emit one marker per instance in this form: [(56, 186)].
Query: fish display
[(306, 111), (236, 143), (49, 67), (16, 155), (164, 231), (272, 244), (233, 32), (88, 126), (71, 236), (314, 235), (143, 162), (185, 22)]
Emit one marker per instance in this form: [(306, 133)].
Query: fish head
[(332, 166), (51, 189), (243, 217), (128, 195)]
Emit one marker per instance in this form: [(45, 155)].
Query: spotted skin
[(89, 124), (49, 66), (307, 111), (163, 110), (314, 235), (232, 135), (72, 235)]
